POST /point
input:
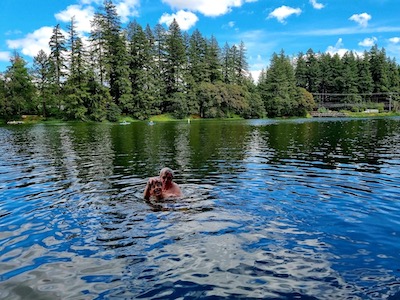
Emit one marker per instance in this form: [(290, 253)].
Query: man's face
[(166, 178)]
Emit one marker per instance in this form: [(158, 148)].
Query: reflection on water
[(298, 209)]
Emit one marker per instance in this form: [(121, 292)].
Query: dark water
[(306, 209)]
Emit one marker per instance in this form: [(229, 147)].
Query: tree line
[(142, 71), (290, 86)]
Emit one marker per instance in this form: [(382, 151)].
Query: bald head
[(167, 171)]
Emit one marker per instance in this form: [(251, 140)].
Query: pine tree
[(394, 80), (98, 48), (327, 77), (364, 82), (197, 57), (58, 50), (313, 72), (41, 73), (116, 58), (160, 64), (337, 84), (3, 100), (175, 68), (350, 73), (379, 70), (20, 92), (213, 60), (73, 36), (278, 90), (76, 87), (301, 71), (140, 67), (241, 64), (227, 65)]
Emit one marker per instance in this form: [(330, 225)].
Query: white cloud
[(231, 24), (316, 5), (82, 16), (185, 19), (211, 8), (395, 40), (368, 42), (283, 12), (5, 56), (33, 42), (87, 2), (338, 48), (127, 8), (13, 32), (361, 19)]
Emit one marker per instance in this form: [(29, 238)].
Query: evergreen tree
[(349, 75), (98, 48), (58, 50), (337, 84), (379, 70), (197, 57), (394, 84), (279, 91), (76, 86), (154, 85), (364, 77), (4, 113), (213, 60), (140, 67), (175, 68), (255, 103), (227, 64), (393, 76), (301, 71), (73, 36), (20, 92), (160, 64), (327, 77), (116, 58), (313, 72), (241, 65), (41, 73)]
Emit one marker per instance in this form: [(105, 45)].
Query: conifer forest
[(144, 71)]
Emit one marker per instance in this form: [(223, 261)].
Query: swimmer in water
[(169, 189), (153, 189)]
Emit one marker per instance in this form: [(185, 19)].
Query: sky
[(265, 26)]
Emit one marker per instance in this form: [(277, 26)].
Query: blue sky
[(265, 26)]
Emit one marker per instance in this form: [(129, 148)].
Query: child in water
[(162, 187)]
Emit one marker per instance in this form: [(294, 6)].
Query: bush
[(113, 112)]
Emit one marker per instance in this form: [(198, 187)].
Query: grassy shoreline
[(170, 118)]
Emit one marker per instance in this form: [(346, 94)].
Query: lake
[(273, 209)]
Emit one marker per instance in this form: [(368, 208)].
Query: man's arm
[(147, 189), (146, 193)]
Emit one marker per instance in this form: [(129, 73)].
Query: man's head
[(166, 175)]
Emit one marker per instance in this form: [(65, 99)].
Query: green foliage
[(278, 89), (350, 80), (113, 112), (18, 89), (145, 72), (305, 102)]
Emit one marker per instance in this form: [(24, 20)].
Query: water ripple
[(272, 210)]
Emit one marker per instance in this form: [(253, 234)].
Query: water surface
[(298, 209)]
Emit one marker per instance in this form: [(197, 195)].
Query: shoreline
[(169, 118)]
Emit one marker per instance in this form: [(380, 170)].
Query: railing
[(335, 100)]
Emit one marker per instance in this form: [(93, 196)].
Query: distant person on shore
[(169, 189)]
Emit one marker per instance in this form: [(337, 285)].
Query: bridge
[(336, 101)]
